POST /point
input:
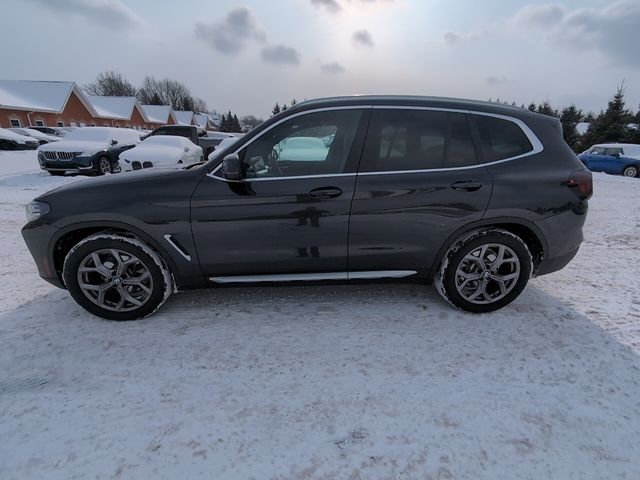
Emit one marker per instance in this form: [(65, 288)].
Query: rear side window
[(417, 140), (501, 139)]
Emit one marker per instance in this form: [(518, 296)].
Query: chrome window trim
[(537, 146), (312, 277)]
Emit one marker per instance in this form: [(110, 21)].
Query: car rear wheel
[(484, 271), (630, 171), (104, 166), (116, 277)]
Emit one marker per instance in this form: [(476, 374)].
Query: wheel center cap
[(117, 280), (485, 274)]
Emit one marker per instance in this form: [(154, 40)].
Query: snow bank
[(355, 381)]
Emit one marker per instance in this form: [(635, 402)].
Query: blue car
[(613, 158)]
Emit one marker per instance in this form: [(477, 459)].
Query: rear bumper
[(550, 265), (563, 232)]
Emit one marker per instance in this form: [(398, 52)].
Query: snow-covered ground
[(326, 382)]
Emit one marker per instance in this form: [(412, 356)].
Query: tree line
[(616, 124), (153, 91)]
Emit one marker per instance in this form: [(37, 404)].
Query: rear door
[(418, 181)]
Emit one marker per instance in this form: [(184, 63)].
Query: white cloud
[(112, 14), (363, 37), (231, 34), (613, 30), (281, 55), (333, 68)]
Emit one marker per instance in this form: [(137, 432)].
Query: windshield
[(89, 134)]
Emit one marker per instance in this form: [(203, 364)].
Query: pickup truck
[(198, 135)]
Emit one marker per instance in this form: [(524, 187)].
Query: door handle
[(325, 192), (466, 186)]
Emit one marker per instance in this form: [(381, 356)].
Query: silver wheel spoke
[(115, 280), (487, 274)]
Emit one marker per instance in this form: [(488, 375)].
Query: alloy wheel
[(115, 280), (487, 274)]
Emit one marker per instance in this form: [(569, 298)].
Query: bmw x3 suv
[(474, 197)]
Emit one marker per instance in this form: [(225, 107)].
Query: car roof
[(616, 145), (414, 100)]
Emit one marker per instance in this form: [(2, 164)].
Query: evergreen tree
[(284, 107), (276, 109), (545, 108), (570, 118), (532, 107), (236, 124), (612, 124)]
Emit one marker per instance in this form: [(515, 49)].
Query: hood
[(73, 146), (105, 183), (16, 137), (152, 152)]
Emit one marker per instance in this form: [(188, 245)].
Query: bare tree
[(111, 84), (169, 92)]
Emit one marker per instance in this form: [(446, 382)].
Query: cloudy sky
[(246, 55)]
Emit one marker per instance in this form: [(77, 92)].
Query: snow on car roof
[(35, 95), (172, 140)]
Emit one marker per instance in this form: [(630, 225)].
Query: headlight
[(35, 210)]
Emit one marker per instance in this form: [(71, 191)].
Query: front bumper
[(37, 238), (75, 165)]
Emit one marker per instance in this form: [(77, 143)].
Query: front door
[(290, 214)]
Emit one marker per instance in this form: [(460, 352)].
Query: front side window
[(501, 139), (417, 140), (310, 144)]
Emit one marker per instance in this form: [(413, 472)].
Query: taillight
[(581, 181)]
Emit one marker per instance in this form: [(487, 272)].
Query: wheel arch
[(67, 237), (527, 231)]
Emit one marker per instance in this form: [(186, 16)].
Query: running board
[(312, 277)]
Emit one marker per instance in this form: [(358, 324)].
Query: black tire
[(458, 255), (630, 171), (103, 165), (158, 280), (56, 174)]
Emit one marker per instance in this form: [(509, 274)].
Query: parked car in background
[(41, 137), (57, 131), (14, 141), (161, 151), (226, 142), (475, 197), (87, 150), (198, 135), (613, 158)]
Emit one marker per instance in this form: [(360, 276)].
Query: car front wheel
[(104, 166), (484, 271), (116, 277)]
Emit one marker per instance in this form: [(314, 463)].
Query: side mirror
[(232, 167), (114, 142), (186, 149)]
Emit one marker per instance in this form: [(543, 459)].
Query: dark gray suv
[(474, 197)]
